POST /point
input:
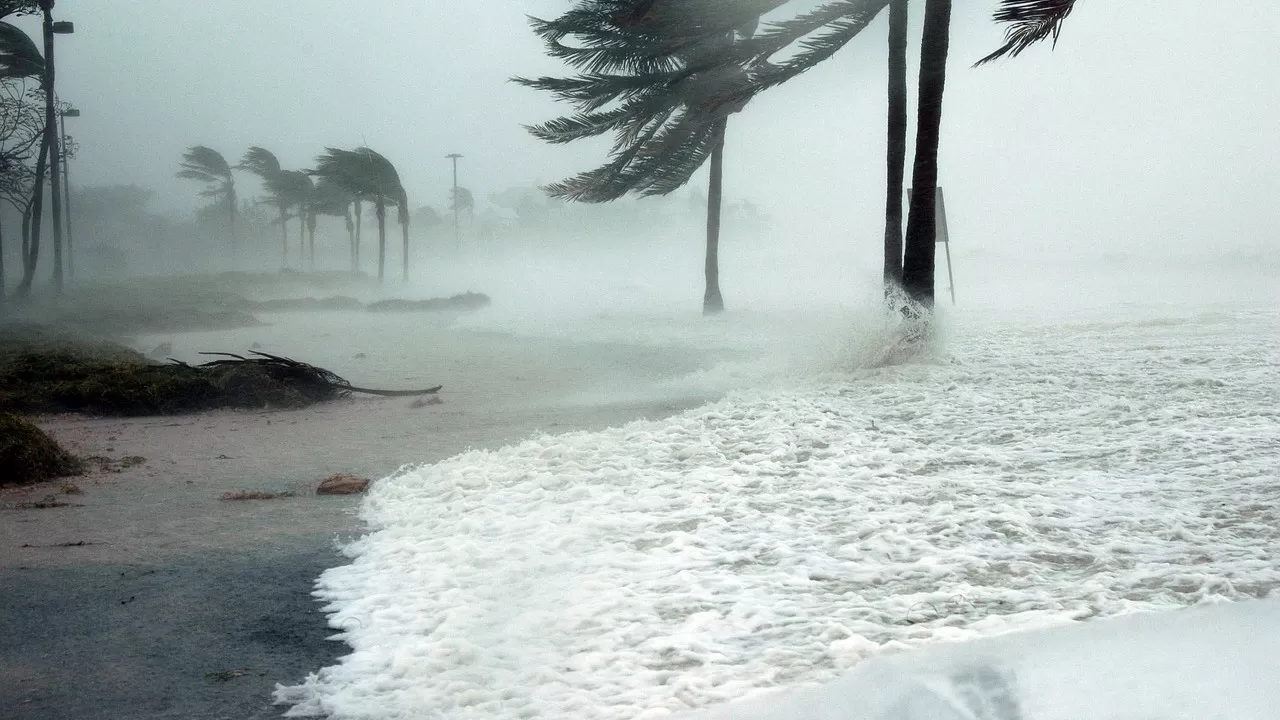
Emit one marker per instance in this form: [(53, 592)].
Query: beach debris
[(343, 484), (255, 495), (425, 401), (29, 456)]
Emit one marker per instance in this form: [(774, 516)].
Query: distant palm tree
[(329, 198), (207, 165), (263, 163), (293, 189), (368, 175)]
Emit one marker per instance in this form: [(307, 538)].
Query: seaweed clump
[(28, 455)]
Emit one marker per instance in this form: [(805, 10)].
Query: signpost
[(943, 236)]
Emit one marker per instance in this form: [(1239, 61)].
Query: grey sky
[(1153, 123)]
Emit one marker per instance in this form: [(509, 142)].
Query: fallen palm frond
[(61, 375), (316, 382)]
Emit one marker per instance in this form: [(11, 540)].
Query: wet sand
[(180, 605)]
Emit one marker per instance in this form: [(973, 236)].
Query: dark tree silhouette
[(367, 175), (207, 165)]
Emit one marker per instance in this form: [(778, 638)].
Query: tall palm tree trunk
[(32, 258), (404, 237), (311, 240), (351, 241), (712, 301), (284, 237), (897, 145), (380, 209), (302, 240), (355, 268), (918, 264), (231, 214)]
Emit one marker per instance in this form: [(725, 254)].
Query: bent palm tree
[(263, 163), (292, 190), (367, 175), (207, 165), (662, 76)]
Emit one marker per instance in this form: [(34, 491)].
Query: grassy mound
[(47, 372), (28, 455)]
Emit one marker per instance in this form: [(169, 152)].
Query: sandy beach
[(148, 597)]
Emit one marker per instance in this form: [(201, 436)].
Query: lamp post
[(66, 186), (52, 28), (457, 236)]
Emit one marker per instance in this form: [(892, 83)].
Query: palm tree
[(367, 175), (663, 77), (207, 165), (292, 189), (263, 163)]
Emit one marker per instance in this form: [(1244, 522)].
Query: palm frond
[(19, 56), (260, 162), (1029, 22), (201, 162)]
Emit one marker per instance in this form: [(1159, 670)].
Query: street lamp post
[(66, 186), (457, 233), (52, 28)]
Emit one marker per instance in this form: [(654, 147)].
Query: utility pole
[(457, 233), (51, 135), (66, 186)]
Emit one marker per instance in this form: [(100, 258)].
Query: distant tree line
[(339, 184)]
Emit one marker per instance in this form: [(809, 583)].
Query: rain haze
[(321, 395)]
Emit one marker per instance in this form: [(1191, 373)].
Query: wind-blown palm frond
[(204, 164), (1029, 22), (658, 75), (291, 189), (812, 37), (260, 162), (362, 172), (19, 56)]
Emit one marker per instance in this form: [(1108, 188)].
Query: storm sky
[(1151, 126)]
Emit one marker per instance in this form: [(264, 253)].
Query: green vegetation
[(28, 455)]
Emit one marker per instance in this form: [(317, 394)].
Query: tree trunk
[(351, 241), (284, 238), (712, 301), (32, 259), (404, 233), (311, 240), (359, 218), (2, 286), (380, 209), (51, 140), (231, 208), (302, 240), (897, 145), (918, 265)]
